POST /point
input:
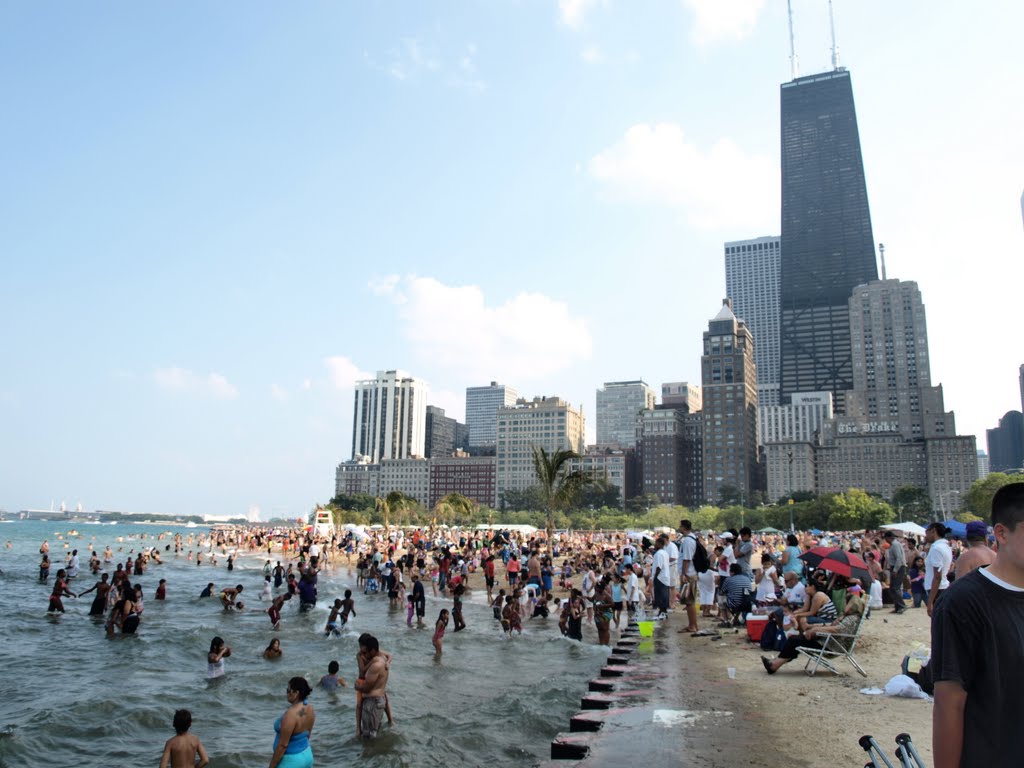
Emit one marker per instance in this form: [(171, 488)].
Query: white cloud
[(342, 373), (718, 20), (572, 12), (718, 187), (279, 393), (453, 328), (591, 54), (418, 59), (182, 380), (411, 59)]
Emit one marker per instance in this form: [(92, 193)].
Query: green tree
[(639, 505), (856, 510), (353, 501), (454, 509), (729, 495), (979, 498), (530, 499), (559, 487), (913, 503), (600, 493)]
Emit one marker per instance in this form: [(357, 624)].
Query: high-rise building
[(390, 417), (1021, 379), (443, 434), (752, 282), (895, 431), (672, 455), (472, 477), (729, 386), (682, 395), (801, 420), (826, 246), (612, 465), (1006, 443), (482, 404), (619, 405), (891, 373), (983, 470), (410, 477), (546, 422)]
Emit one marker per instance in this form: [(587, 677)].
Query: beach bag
[(773, 638), (701, 561)]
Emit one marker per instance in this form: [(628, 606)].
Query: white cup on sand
[(732, 672)]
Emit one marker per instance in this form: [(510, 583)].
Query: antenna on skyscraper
[(794, 63), (881, 251), (832, 28)]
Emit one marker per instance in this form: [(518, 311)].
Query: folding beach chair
[(835, 648)]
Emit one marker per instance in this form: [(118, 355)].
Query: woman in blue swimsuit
[(293, 729)]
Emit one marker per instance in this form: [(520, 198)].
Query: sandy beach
[(818, 720)]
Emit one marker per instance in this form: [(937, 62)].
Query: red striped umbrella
[(838, 561)]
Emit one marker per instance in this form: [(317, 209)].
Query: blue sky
[(217, 215)]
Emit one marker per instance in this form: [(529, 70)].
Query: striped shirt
[(827, 611)]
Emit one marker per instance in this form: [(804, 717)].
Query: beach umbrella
[(837, 561), (816, 531)]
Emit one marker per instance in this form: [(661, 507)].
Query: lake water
[(70, 696)]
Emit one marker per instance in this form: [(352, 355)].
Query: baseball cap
[(976, 529)]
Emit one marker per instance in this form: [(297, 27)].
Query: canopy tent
[(816, 531), (769, 529), (913, 528)]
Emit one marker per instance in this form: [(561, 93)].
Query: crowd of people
[(577, 578)]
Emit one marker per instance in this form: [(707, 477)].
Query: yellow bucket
[(646, 628)]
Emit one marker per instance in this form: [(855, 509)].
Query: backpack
[(773, 638), (701, 561)]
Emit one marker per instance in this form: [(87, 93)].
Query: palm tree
[(558, 485)]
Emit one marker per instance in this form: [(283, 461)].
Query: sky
[(217, 216)]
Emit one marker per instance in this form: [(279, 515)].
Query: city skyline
[(217, 222)]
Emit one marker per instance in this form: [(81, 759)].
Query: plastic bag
[(903, 686)]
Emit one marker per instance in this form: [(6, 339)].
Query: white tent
[(913, 528)]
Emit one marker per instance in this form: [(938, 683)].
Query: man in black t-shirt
[(978, 652)]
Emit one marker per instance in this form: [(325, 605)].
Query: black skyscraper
[(827, 248)]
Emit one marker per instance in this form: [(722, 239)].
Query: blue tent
[(956, 528), (816, 532)]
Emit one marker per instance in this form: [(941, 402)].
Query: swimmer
[(439, 627), (60, 589), (266, 588), (331, 681), (161, 590), (348, 607), (182, 749), (228, 597), (332, 627), (215, 658), (497, 605), (274, 611), (101, 588), (457, 594), (292, 729), (208, 591), (371, 687), (273, 651)]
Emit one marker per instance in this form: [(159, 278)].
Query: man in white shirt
[(688, 575), (673, 568), (632, 590), (795, 596), (661, 576), (936, 564)]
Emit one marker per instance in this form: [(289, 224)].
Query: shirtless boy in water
[(372, 701), (181, 750)]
